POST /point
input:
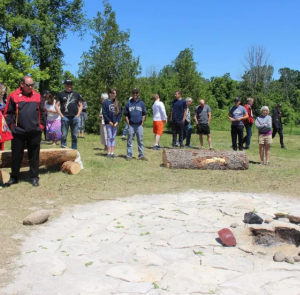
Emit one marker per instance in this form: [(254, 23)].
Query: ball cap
[(279, 105), (135, 90), (68, 81), (237, 99)]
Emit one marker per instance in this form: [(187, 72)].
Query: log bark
[(4, 176), (204, 159), (71, 167), (48, 157)]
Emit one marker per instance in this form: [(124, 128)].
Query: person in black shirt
[(277, 124), (69, 107)]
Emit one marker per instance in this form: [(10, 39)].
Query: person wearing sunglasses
[(135, 115), (69, 107), (26, 118)]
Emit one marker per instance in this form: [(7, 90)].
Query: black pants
[(279, 130), (237, 131), (32, 140), (177, 128)]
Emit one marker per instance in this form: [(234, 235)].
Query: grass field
[(105, 178)]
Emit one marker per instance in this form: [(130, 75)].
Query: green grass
[(105, 178)]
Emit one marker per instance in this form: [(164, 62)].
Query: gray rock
[(279, 256), (297, 258), (289, 259), (234, 225), (269, 220), (38, 217), (284, 220)]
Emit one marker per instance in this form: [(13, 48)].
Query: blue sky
[(219, 31)]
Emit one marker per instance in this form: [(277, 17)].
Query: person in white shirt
[(159, 119), (53, 125)]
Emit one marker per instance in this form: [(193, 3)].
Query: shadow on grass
[(254, 162)]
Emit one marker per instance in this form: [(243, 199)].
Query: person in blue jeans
[(135, 115), (69, 107)]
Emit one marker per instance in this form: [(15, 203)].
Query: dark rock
[(227, 237), (252, 218)]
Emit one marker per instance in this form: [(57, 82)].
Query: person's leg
[(64, 130), (188, 135), (33, 145), (185, 131), (174, 133), (247, 138), (74, 132), (130, 134), (139, 137), (274, 132), (156, 141), (113, 142), (267, 151), (17, 152), (109, 130), (261, 152), (79, 126), (181, 131), (201, 140), (209, 141), (234, 137), (281, 137), (240, 137)]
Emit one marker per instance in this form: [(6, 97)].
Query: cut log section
[(48, 157), (4, 176), (204, 159), (71, 167)]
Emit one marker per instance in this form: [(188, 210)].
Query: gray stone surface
[(37, 217), (157, 245), (289, 259), (279, 256)]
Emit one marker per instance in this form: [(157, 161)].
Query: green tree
[(108, 63)]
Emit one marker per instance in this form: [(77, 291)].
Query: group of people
[(24, 114)]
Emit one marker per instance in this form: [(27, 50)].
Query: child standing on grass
[(112, 115)]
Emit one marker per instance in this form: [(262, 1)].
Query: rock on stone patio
[(157, 244)]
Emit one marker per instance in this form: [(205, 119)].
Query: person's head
[(279, 106), (112, 95), (250, 101), (155, 97), (68, 83), (264, 110), (104, 96), (49, 98), (237, 101), (202, 102), (177, 94), (27, 84), (3, 92), (188, 101), (135, 94)]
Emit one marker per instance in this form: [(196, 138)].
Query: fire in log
[(71, 167), (48, 157), (204, 159)]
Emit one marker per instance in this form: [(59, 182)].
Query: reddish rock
[(227, 237)]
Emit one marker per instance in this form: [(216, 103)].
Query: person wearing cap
[(277, 124), (159, 119), (248, 122), (69, 106), (26, 117), (264, 125), (237, 114), (178, 115), (135, 115)]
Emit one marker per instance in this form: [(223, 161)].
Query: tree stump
[(204, 159), (4, 176), (48, 157), (71, 167)]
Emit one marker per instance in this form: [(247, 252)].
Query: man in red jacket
[(248, 122), (26, 117)]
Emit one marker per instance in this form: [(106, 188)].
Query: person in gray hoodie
[(264, 125)]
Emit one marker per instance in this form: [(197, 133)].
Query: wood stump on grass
[(48, 157), (71, 167), (4, 176), (204, 159)]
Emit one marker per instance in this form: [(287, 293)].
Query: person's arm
[(143, 114), (258, 124), (126, 113), (230, 117), (118, 116), (184, 115), (163, 113), (245, 116), (57, 107), (79, 108), (209, 117), (10, 111), (43, 115)]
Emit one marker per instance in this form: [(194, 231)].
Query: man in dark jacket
[(135, 115), (26, 117), (277, 124)]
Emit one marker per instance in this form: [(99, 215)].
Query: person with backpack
[(26, 118), (82, 119)]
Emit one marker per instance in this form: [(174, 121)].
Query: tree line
[(31, 32)]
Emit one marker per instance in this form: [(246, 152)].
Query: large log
[(48, 157), (204, 159)]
